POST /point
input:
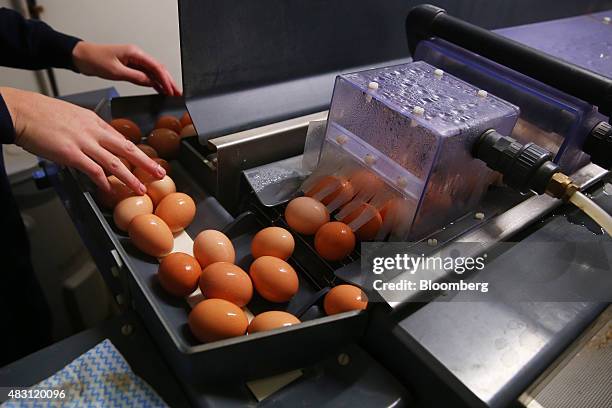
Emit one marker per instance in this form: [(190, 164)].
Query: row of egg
[(357, 218), (152, 218), (227, 287), (164, 140)]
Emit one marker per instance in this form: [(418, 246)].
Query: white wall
[(150, 24)]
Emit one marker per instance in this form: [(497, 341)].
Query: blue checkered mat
[(99, 378)]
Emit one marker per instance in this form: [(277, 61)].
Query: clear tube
[(594, 211)]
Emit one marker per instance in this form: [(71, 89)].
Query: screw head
[(344, 359)]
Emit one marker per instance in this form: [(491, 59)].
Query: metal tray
[(245, 357)]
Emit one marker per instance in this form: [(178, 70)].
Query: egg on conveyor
[(271, 320), (179, 274), (305, 215), (369, 230), (334, 241), (164, 164), (166, 142), (118, 191), (343, 298), (148, 150), (274, 279), (151, 235), (332, 188), (177, 210), (212, 246), (186, 119), (168, 122), (128, 129), (224, 280), (158, 189), (217, 319), (273, 241), (188, 131), (127, 209)]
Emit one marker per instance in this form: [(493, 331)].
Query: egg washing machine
[(455, 146)]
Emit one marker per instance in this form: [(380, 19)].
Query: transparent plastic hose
[(594, 211)]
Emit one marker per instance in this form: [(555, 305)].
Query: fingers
[(113, 165), (135, 76), (157, 72), (120, 146), (92, 170)]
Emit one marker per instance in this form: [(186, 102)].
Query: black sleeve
[(32, 44), (7, 132)]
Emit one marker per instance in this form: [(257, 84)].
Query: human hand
[(123, 63), (76, 137)]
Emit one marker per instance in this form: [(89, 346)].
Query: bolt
[(482, 93), (341, 139), (344, 359), (373, 85), (479, 216), (432, 242), (438, 73), (127, 329)]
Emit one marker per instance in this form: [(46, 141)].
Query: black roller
[(426, 21)]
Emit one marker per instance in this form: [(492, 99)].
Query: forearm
[(33, 44)]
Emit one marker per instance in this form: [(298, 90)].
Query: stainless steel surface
[(581, 376), (250, 148), (485, 237)]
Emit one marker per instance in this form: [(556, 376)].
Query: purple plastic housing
[(583, 40), (412, 126), (552, 119)]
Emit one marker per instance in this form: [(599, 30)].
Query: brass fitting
[(561, 186)]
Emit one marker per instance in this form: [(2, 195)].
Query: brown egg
[(148, 150), (188, 131), (343, 298), (334, 241), (368, 230), (224, 280), (151, 235), (158, 189), (365, 182), (186, 119), (217, 319), (164, 164), (118, 192), (273, 241), (271, 320), (168, 122), (127, 209), (177, 210), (144, 176), (165, 142), (126, 163), (332, 187), (212, 246), (179, 274), (128, 129), (274, 279), (305, 215)]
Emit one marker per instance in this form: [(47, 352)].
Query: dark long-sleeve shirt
[(30, 45)]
